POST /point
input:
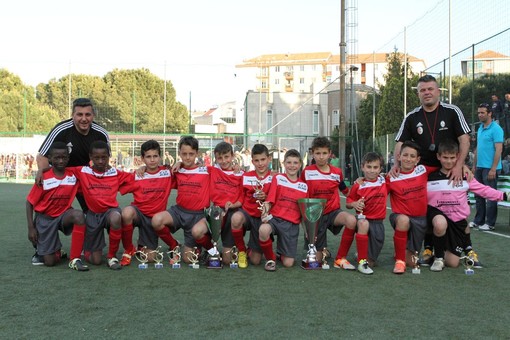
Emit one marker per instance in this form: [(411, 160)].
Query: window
[(314, 67), (301, 80), (302, 68), (264, 84), (335, 118), (269, 119), (277, 81), (277, 68), (315, 122), (290, 68)]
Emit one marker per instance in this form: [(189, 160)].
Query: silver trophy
[(325, 253), (174, 256), (234, 254), (416, 266), (142, 257), (360, 215), (158, 258), (264, 213), (193, 258), (311, 212), (214, 216)]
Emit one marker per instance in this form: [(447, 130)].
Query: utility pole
[(341, 103)]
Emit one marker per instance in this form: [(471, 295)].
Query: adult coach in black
[(77, 133), (430, 124)]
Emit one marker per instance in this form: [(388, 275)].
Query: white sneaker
[(486, 227), (114, 264), (472, 225), (363, 267), (438, 265)]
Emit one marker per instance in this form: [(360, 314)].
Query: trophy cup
[(360, 215), (175, 257), (325, 264), (214, 216), (311, 212), (158, 258), (193, 258), (143, 258), (234, 253), (416, 266), (469, 262), (258, 187)]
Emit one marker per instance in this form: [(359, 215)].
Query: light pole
[(352, 69)]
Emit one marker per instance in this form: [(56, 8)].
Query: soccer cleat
[(113, 263), (344, 264), (474, 256), (400, 267), (427, 257), (472, 225), (363, 267), (270, 266), (126, 257), (242, 260), (438, 265), (486, 227), (76, 264), (37, 260)]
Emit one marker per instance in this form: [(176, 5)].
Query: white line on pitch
[(497, 234)]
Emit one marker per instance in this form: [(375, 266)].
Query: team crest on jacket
[(69, 147), (419, 128), (443, 126)]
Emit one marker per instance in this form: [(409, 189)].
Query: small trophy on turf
[(311, 212), (469, 263), (325, 264), (193, 258), (416, 266), (142, 257), (175, 257), (158, 258), (234, 253), (214, 217)]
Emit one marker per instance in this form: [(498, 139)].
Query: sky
[(196, 44)]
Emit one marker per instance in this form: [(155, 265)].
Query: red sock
[(165, 235), (362, 246), (238, 235), (267, 249), (400, 244), (205, 241), (115, 236), (58, 255), (77, 239), (345, 243), (127, 237)]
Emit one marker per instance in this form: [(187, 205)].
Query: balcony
[(289, 76)]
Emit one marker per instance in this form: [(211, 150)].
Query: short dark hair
[(259, 149), (372, 157), (321, 142), (99, 145), (189, 141), (486, 106), (292, 153), (58, 146), (151, 144), (448, 146), (412, 145), (222, 148), (427, 79), (83, 102)]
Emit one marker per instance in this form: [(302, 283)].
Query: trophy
[(360, 215), (193, 258), (175, 257), (311, 212), (234, 253), (143, 258), (214, 216), (258, 187), (158, 258), (469, 262), (325, 264), (416, 266)]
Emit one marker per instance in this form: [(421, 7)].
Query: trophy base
[(416, 271), (143, 266), (214, 264), (176, 266), (325, 266), (469, 271), (194, 266), (158, 265), (234, 266), (310, 265)]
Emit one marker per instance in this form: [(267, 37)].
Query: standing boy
[(255, 188), (369, 201), (150, 197), (53, 212), (323, 181), (285, 191)]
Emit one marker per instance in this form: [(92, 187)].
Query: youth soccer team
[(423, 200)]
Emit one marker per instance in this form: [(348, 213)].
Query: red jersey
[(225, 186), (56, 194), (151, 194), (375, 194), (408, 192), (249, 202), (284, 194), (100, 189), (192, 188), (324, 185)]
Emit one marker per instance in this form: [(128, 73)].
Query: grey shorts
[(185, 220), (288, 234), (96, 223), (375, 238), (252, 224), (146, 235), (327, 222), (48, 240), (227, 240), (416, 233)]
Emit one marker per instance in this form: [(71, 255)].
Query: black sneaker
[(37, 260)]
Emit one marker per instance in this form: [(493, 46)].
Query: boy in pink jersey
[(448, 208), (369, 201), (255, 187), (53, 212), (285, 191), (324, 181), (192, 184), (150, 197), (100, 185)]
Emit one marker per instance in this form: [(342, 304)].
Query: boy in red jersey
[(323, 181), (255, 188), (225, 191), (369, 200), (53, 212), (150, 197), (285, 191), (100, 185), (192, 184)]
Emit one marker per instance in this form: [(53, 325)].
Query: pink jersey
[(375, 194), (225, 186), (56, 194), (100, 189), (249, 202), (324, 185), (452, 200), (151, 195), (192, 188), (284, 194), (408, 192)]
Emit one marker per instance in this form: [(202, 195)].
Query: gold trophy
[(158, 258), (469, 263), (142, 257), (360, 215), (311, 212), (234, 253), (258, 187), (193, 258), (416, 266), (325, 264), (214, 217), (175, 257)]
